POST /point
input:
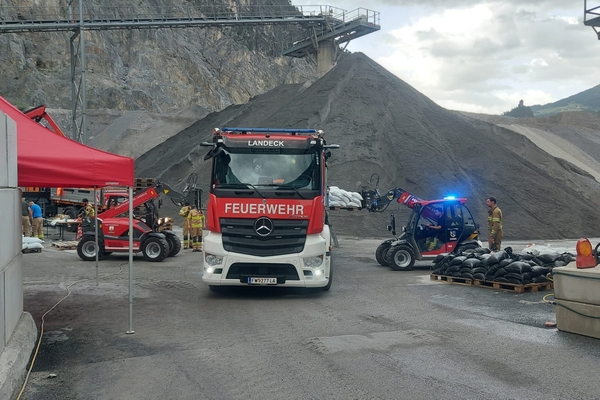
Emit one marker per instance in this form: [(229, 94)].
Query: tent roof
[(47, 159)]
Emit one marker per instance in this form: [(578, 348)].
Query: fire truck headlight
[(213, 260), (313, 262)]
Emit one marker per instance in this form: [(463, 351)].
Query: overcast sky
[(483, 56)]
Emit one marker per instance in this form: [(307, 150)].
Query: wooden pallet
[(336, 208), (513, 287), (65, 245), (452, 279), (27, 251)]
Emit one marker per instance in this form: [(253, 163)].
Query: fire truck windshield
[(295, 168)]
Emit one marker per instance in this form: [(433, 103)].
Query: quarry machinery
[(113, 230), (434, 227), (266, 215)]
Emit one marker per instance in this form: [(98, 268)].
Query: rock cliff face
[(161, 70)]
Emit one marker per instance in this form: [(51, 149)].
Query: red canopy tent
[(49, 160)]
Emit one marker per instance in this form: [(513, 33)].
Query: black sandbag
[(439, 258), (480, 270), (465, 270), (537, 271), (500, 272), (514, 277), (567, 257), (540, 279), (467, 275), (501, 279), (505, 262), (453, 268), (470, 262), (496, 257), (538, 261), (511, 279), (479, 276), (526, 256), (484, 256), (559, 263), (547, 258), (518, 267), (458, 260), (436, 272)]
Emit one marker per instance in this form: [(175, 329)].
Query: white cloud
[(484, 56)]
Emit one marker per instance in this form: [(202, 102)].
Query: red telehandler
[(434, 227), (113, 228)]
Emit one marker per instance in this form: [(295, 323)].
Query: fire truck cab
[(266, 214)]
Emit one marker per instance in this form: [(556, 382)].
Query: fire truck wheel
[(86, 248), (72, 213), (155, 249), (174, 244), (328, 286), (401, 258), (381, 252)]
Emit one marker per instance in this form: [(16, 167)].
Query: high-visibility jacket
[(494, 224), (89, 211), (196, 219), (185, 210)]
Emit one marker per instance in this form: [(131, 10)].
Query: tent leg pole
[(96, 228), (130, 331)]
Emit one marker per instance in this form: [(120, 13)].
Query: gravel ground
[(376, 334)]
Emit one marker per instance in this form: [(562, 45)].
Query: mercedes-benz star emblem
[(263, 226)]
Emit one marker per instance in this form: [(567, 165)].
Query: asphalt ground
[(377, 334)]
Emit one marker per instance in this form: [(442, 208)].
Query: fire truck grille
[(287, 237), (283, 272)]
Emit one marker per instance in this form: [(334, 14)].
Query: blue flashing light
[(269, 130), (450, 198)]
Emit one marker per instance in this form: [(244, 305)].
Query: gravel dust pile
[(387, 127)]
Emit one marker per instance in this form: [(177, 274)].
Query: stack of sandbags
[(342, 198), (502, 266), (29, 243)]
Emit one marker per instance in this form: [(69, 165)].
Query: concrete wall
[(11, 277)]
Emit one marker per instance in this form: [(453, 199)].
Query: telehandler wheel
[(401, 258), (86, 248), (174, 244), (155, 249), (381, 252)]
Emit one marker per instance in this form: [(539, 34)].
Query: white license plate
[(262, 281)]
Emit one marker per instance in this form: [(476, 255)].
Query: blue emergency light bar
[(269, 130)]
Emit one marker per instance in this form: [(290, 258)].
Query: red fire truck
[(267, 221)]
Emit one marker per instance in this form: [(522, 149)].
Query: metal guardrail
[(53, 18), (342, 26)]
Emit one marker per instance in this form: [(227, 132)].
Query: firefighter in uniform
[(196, 223), (184, 212), (494, 224), (88, 209)]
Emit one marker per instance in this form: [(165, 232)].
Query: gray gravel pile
[(387, 127)]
